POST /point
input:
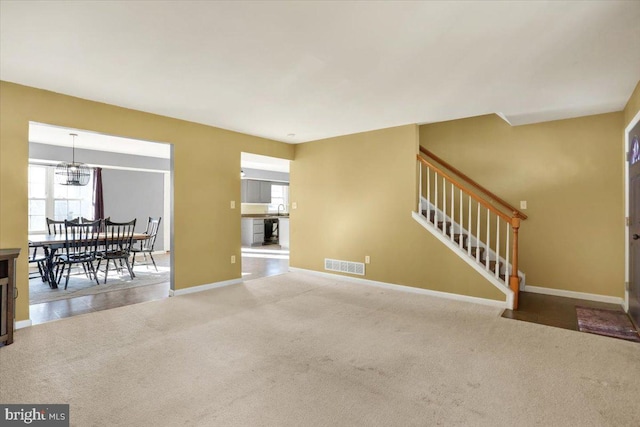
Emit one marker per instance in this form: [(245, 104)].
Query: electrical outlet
[(294, 205), (233, 259), (367, 259), (523, 204), (233, 204)]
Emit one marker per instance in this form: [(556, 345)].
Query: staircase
[(477, 225)]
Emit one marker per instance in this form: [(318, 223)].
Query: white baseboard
[(573, 294), (22, 324), (410, 289), (201, 288)]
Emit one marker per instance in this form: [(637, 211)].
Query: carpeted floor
[(298, 349)]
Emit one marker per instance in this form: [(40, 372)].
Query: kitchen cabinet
[(252, 231), (254, 191), (265, 192)]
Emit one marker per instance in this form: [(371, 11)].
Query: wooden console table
[(7, 293)]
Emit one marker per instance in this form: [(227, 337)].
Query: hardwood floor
[(48, 311), (552, 310), (262, 262)]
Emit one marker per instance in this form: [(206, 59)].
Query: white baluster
[(497, 267), (478, 236), (452, 212), (428, 192), (469, 230), (420, 187), (435, 204), (444, 205), (461, 222), (506, 269), (486, 252)]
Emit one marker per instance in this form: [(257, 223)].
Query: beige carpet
[(301, 350), (80, 285)]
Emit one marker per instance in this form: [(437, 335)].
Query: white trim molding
[(574, 294), (19, 324), (206, 287), (409, 289)]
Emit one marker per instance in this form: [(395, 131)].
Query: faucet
[(283, 208)]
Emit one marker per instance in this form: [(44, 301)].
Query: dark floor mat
[(611, 323)]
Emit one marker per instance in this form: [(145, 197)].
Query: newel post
[(514, 280)]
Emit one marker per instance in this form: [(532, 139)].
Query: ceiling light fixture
[(76, 174)]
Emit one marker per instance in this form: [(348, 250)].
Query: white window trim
[(49, 195)]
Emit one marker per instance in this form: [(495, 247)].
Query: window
[(50, 200), (279, 196), (37, 198)]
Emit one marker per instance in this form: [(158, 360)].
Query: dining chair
[(146, 246), (117, 241), (57, 227), (54, 226), (41, 263), (80, 247)]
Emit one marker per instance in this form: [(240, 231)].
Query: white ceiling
[(321, 69), (256, 161), (60, 136), (54, 135)]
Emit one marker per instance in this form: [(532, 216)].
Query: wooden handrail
[(515, 211), (454, 182)]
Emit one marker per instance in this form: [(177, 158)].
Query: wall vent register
[(344, 266)]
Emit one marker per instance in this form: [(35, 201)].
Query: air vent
[(344, 266)]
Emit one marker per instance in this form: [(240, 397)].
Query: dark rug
[(612, 323)]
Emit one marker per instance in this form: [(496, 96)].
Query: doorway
[(264, 219), (136, 183), (633, 234)]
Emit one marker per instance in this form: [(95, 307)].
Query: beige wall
[(354, 198), (206, 178), (355, 193), (570, 174), (633, 106)]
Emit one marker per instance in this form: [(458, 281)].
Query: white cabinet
[(244, 190), (252, 231), (265, 192), (283, 229), (254, 191)]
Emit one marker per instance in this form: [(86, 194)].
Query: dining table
[(50, 243)]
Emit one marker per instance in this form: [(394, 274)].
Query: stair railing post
[(514, 280)]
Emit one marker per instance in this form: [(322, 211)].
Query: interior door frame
[(627, 149)]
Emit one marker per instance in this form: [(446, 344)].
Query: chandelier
[(73, 173)]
